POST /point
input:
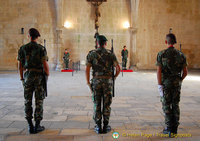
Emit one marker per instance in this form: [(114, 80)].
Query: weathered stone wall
[(79, 39), (18, 14), (154, 20)]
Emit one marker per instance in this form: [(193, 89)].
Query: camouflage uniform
[(101, 61), (66, 60), (172, 63), (124, 55), (31, 57)]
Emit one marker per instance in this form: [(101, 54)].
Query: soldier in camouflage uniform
[(33, 59), (124, 54), (101, 60), (66, 59), (171, 70)]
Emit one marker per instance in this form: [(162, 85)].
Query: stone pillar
[(59, 44), (59, 30), (133, 31)]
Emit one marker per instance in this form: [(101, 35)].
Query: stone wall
[(79, 39), (154, 20), (18, 14)]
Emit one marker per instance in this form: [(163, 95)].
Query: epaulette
[(181, 53), (92, 50), (109, 50), (162, 51), (41, 45), (43, 48), (22, 46)]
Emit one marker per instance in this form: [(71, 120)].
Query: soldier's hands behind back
[(160, 90)]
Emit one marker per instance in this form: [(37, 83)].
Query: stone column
[(59, 44), (59, 30), (133, 30)]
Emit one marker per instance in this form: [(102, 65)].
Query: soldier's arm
[(159, 68), (21, 70), (20, 59), (116, 65), (87, 73), (44, 59), (159, 76), (185, 72), (46, 67), (117, 70), (89, 59)]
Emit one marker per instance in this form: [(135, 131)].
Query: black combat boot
[(98, 129), (167, 131), (30, 126), (174, 130), (38, 127), (106, 128)]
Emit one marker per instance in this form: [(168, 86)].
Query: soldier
[(124, 54), (171, 70), (101, 60), (66, 59), (33, 59)]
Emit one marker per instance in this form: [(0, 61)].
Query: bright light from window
[(67, 24), (126, 24)]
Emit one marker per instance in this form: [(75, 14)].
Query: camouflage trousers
[(124, 62), (33, 84), (170, 106), (66, 63), (102, 98)]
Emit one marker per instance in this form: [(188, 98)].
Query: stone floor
[(136, 109)]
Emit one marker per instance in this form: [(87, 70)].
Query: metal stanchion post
[(76, 66), (79, 66), (72, 68)]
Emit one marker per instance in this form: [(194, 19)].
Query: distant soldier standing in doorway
[(124, 54), (66, 59), (171, 70)]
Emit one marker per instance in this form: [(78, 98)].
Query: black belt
[(35, 70), (103, 77)]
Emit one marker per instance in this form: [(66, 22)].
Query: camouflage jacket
[(32, 55), (101, 61), (66, 55), (124, 53), (172, 62)]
